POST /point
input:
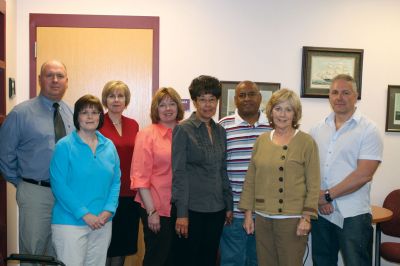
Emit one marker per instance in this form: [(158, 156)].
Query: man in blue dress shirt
[(350, 151), (27, 140)]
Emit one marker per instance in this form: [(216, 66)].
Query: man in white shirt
[(350, 150)]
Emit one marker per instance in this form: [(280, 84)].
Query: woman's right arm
[(248, 223), (180, 182), (141, 172), (153, 218), (58, 177)]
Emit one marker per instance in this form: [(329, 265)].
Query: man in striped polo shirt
[(242, 129)]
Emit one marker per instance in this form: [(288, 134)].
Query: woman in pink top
[(151, 174)]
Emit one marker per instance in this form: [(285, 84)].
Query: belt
[(40, 183)]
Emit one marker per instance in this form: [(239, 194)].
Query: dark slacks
[(157, 245), (125, 228), (354, 241), (201, 246)]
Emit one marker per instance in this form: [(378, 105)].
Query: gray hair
[(348, 79)]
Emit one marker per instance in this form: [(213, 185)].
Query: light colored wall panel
[(94, 56)]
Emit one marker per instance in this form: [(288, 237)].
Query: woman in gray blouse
[(201, 194)]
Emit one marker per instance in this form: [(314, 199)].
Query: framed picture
[(227, 102), (321, 65), (393, 109)]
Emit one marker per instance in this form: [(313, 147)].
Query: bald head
[(52, 62), (246, 84), (53, 80), (248, 100)]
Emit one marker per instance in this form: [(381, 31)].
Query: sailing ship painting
[(325, 68)]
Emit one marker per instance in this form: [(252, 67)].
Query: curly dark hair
[(205, 85)]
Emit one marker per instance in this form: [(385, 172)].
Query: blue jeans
[(354, 241), (236, 246)]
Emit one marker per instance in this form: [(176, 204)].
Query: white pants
[(80, 245)]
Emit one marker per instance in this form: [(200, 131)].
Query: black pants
[(201, 246), (125, 228), (157, 246)]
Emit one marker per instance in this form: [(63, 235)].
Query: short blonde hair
[(113, 85), (280, 96), (159, 96)]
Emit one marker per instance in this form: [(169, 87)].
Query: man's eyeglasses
[(51, 76), (251, 94)]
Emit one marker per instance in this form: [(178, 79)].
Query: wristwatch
[(328, 196)]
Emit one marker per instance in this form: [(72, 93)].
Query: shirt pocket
[(259, 202)]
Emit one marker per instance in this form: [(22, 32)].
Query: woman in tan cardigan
[(282, 185)]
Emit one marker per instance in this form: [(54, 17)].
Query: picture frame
[(227, 101), (393, 109), (321, 64)]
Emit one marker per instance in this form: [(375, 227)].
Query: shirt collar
[(163, 129), (262, 119), (197, 122), (355, 117), (48, 103), (100, 137)]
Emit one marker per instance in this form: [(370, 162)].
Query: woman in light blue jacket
[(85, 180)]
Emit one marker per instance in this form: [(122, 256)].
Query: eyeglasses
[(89, 113), (51, 76), (251, 94), (204, 101)]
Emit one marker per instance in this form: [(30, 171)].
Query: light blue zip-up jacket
[(82, 181)]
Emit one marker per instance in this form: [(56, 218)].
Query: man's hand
[(326, 209), (322, 200)]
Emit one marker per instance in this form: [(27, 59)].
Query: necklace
[(116, 123)]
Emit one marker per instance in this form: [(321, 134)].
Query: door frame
[(3, 183), (91, 21)]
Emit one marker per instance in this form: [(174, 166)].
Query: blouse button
[(279, 210), (284, 147), (281, 179), (283, 157), (280, 200), (281, 190), (281, 168)]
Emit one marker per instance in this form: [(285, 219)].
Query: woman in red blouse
[(122, 131), (152, 175)]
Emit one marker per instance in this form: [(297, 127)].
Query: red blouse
[(125, 145)]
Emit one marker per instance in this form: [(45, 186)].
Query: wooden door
[(96, 49)]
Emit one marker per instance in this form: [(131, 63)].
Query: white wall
[(11, 39), (259, 40)]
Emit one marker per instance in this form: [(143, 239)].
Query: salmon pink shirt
[(151, 166)]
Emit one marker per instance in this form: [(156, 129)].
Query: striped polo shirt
[(240, 137)]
